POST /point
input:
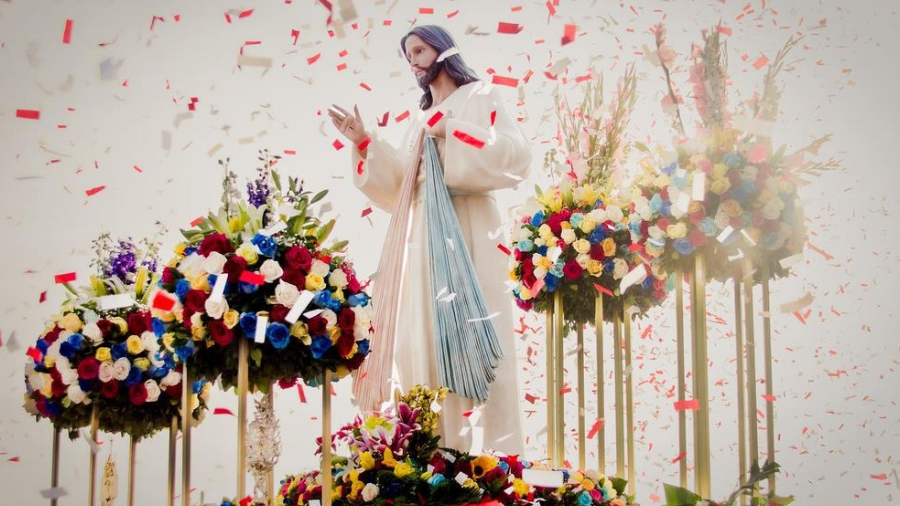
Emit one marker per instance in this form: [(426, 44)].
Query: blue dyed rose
[(656, 203), (134, 376), (248, 324), (184, 352), (526, 245), (320, 347), (670, 169), (197, 386), (159, 328), (247, 288), (360, 299), (436, 480), (684, 246), (118, 351), (551, 282), (707, 226), (267, 245), (576, 220), (584, 499), (537, 219), (542, 250), (597, 235), (322, 299), (732, 160), (279, 335), (181, 288), (363, 346)]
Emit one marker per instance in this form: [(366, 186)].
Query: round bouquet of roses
[(578, 242), (257, 270), (103, 351)]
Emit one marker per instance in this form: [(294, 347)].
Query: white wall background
[(836, 375)]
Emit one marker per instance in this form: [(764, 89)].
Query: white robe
[(471, 174)]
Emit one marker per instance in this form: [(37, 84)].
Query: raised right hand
[(349, 125)]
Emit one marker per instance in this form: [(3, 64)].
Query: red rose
[(353, 286), (137, 394), (174, 391), (222, 335), (597, 252), (572, 270), (645, 228), (664, 193), (524, 305), (697, 237), (106, 327), (88, 368), (195, 301), (294, 277), (234, 267), (317, 326), (565, 214), (278, 313), (345, 345), (519, 254), (298, 257), (110, 389), (57, 387), (53, 335), (439, 464), (139, 322), (527, 265), (284, 383), (663, 224), (168, 275), (356, 362), (529, 279), (554, 222), (347, 319), (215, 242), (697, 217), (495, 474)]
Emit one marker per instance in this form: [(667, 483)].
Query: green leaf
[(641, 147), (780, 501), (319, 196), (276, 179), (538, 191), (323, 232), (256, 356), (619, 484), (677, 496), (338, 246)]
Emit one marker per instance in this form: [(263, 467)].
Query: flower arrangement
[(102, 350), (395, 460), (727, 192), (266, 256), (579, 242), (678, 496)]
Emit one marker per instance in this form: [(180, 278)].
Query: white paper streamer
[(218, 290), (447, 54), (261, 323), (117, 301), (635, 276), (699, 186), (299, 306), (542, 478)]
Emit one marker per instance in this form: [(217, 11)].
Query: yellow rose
[(525, 294), (520, 487), (512, 275), (142, 363), (582, 246), (167, 340), (470, 483), (301, 332), (120, 322), (103, 354), (248, 252), (595, 268), (334, 333), (234, 224), (71, 322), (731, 207), (719, 170), (720, 186), (47, 389), (609, 246), (49, 361), (201, 283), (198, 332), (786, 187), (695, 207), (179, 248), (231, 318), (587, 485), (588, 225), (545, 232), (662, 181), (178, 312), (676, 231), (403, 469), (314, 282), (134, 345), (388, 458), (366, 460)]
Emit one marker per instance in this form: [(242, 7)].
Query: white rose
[(153, 390), (370, 492), (722, 220), (271, 270), (614, 214), (599, 215), (53, 350), (92, 332), (771, 211), (75, 393), (63, 364), (69, 377), (749, 173), (361, 332), (583, 260), (362, 315), (192, 265), (338, 279), (151, 344), (568, 235), (106, 372), (286, 294), (214, 263), (197, 320), (215, 308), (620, 268), (320, 268), (538, 242), (121, 368), (656, 233), (171, 379), (330, 317)]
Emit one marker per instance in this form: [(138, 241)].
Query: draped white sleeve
[(500, 163), (381, 173)]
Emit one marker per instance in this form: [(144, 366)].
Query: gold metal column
[(741, 402), (187, 413), (560, 333), (601, 378), (243, 385), (770, 389), (132, 454), (682, 414), (54, 465), (95, 428), (629, 403), (752, 425), (551, 382), (326, 438), (619, 384), (173, 438), (270, 478), (700, 375), (581, 394)]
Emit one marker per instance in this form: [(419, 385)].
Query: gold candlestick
[(242, 391), (186, 415), (770, 388), (749, 336), (173, 438), (581, 394), (560, 380), (95, 428), (739, 358), (629, 404), (619, 384), (551, 382), (601, 378), (54, 465), (701, 385), (326, 438), (132, 451), (682, 414)]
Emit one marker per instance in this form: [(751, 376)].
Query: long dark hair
[(440, 39)]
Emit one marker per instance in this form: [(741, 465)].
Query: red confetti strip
[(295, 34), (222, 411), (597, 425), (67, 277), (28, 114), (313, 59), (245, 14), (724, 30), (569, 34), (43, 297), (551, 8), (253, 278), (342, 66), (468, 139), (426, 10), (365, 86), (452, 14), (510, 28), (163, 301), (67, 32), (761, 62), (137, 169), (434, 119), (290, 152), (359, 167), (94, 191), (770, 398), (328, 6), (530, 398), (402, 116), (679, 457), (493, 117), (505, 81), (600, 288), (367, 211), (364, 144), (504, 249), (197, 221), (687, 405), (301, 393), (384, 119), (337, 144), (14, 459), (882, 476)]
